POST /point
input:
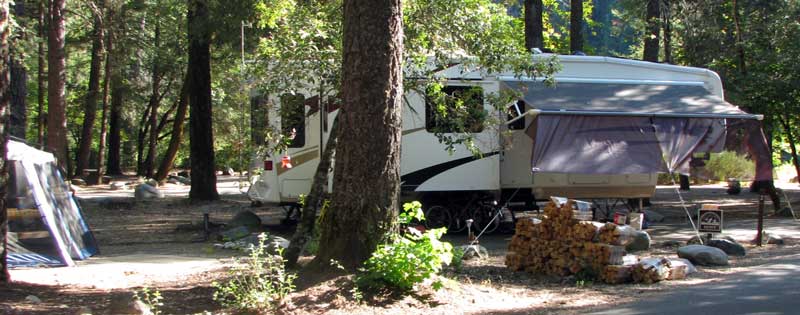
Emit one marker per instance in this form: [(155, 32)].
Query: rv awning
[(616, 99), (611, 128)]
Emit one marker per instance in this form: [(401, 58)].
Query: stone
[(185, 174), (671, 243), (33, 299), (731, 248), (235, 233), (774, 239), (695, 240), (652, 216), (473, 251), (181, 179), (245, 218), (703, 255), (151, 182), (118, 186), (641, 241), (128, 304), (145, 191), (78, 182), (734, 187)]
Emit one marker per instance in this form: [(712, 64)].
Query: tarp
[(37, 184)]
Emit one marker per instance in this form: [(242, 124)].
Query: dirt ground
[(159, 245)]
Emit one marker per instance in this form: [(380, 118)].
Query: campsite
[(399, 157)]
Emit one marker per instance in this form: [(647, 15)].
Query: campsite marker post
[(760, 234)]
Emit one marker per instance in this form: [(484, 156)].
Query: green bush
[(151, 298), (259, 283), (410, 258), (729, 164)]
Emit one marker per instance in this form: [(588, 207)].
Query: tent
[(45, 225), (629, 128)]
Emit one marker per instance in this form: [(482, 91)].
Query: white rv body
[(427, 169)]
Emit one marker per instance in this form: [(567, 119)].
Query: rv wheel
[(437, 217), (487, 217)]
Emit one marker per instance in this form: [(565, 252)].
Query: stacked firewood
[(561, 245)]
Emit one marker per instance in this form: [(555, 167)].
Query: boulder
[(145, 191), (731, 248), (473, 251), (641, 241), (235, 233), (652, 216), (695, 240), (245, 218), (33, 299), (151, 182), (703, 255), (671, 243), (774, 239), (181, 179)]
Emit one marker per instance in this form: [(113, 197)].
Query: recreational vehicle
[(457, 185)]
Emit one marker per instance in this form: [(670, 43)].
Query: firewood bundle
[(614, 234), (651, 270)]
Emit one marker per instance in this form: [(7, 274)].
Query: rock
[(245, 218), (181, 179), (228, 171), (734, 187), (145, 191), (473, 251), (118, 186), (275, 242), (78, 182), (652, 216), (671, 243), (695, 240), (729, 247), (128, 304), (774, 239), (641, 241), (33, 299), (174, 182), (236, 233), (151, 182), (703, 255)]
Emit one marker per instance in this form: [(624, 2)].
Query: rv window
[(454, 109), (293, 119), (512, 113)]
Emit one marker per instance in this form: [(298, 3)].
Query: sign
[(709, 218)]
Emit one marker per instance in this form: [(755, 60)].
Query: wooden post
[(760, 235)]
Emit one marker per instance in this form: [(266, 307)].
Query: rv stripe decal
[(416, 178)]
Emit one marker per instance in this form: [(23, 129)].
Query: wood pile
[(561, 245)]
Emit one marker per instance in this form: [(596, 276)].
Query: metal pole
[(760, 235)]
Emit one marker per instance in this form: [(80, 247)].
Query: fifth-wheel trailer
[(454, 186)]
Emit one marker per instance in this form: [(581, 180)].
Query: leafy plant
[(729, 164), (261, 282), (410, 258), (152, 299)]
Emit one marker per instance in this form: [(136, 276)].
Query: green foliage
[(151, 298), (410, 258), (729, 164), (259, 283)]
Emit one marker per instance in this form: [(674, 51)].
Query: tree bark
[(667, 19), (314, 200), (5, 98), (201, 136), (19, 103), (533, 24), (92, 92), (118, 91), (739, 42), (362, 212), (143, 128), (41, 77), (107, 71), (57, 75), (177, 132), (792, 143), (155, 101), (652, 31), (576, 26)]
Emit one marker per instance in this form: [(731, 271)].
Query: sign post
[(709, 217)]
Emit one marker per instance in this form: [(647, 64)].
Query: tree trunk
[(101, 147), (652, 30), (739, 42), (4, 102), (92, 92), (57, 76), (177, 132), (143, 128), (533, 24), (792, 143), (314, 200), (114, 119), (362, 212), (19, 103), (41, 77), (667, 17), (201, 136), (155, 101), (576, 26), (602, 15)]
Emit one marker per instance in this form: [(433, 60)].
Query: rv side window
[(454, 109), (293, 119), (512, 113)]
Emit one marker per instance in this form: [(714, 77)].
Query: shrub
[(410, 258), (259, 283), (151, 298), (730, 165)]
